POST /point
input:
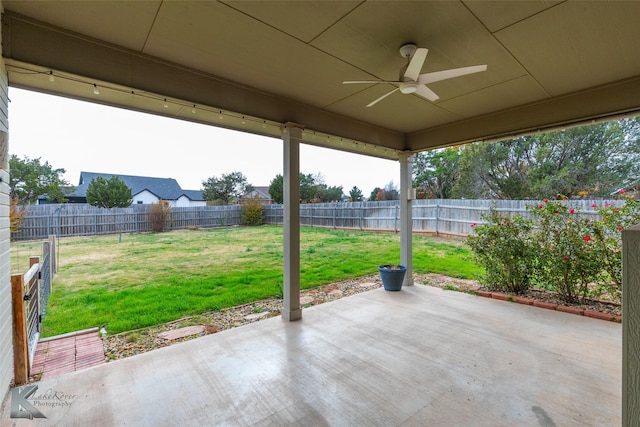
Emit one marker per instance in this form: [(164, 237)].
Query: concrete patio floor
[(419, 357)]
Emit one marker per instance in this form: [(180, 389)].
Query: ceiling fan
[(411, 81)]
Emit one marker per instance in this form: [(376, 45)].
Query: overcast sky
[(79, 136)]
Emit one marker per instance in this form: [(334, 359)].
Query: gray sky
[(80, 136)]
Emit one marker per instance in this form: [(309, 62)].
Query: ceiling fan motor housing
[(408, 87), (407, 50)]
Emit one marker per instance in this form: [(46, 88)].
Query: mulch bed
[(602, 309), (130, 343)]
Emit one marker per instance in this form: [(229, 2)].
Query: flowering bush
[(557, 248), (504, 248), (565, 257), (608, 241)]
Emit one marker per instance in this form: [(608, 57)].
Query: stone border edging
[(550, 306)]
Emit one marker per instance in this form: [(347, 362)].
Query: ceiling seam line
[(153, 24), (335, 23), (493, 34)]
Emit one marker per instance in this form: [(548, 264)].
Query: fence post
[(53, 246), (437, 214), (395, 218), (20, 344), (33, 261), (334, 217)]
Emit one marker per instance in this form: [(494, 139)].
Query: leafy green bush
[(565, 257), (503, 246), (557, 249), (608, 241), (252, 212)]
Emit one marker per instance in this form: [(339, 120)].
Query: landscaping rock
[(255, 316), (182, 332)]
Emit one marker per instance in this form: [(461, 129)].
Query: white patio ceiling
[(261, 64)]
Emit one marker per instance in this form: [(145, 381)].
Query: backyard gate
[(30, 295)]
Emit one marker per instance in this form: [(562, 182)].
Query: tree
[(435, 172), (30, 178), (495, 170), (276, 190), (111, 193), (226, 189), (355, 194), (374, 194), (326, 194), (308, 188), (587, 160), (390, 192)]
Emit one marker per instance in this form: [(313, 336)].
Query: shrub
[(16, 215), (503, 247), (565, 260), (159, 215), (252, 212), (557, 249), (607, 235)]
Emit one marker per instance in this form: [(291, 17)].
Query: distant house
[(259, 193), (145, 190), (631, 190)]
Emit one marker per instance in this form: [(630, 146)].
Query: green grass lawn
[(147, 279)]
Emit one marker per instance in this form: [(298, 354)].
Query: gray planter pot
[(392, 276)]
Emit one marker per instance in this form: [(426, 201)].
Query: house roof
[(263, 192), (255, 66), (163, 188), (193, 195)]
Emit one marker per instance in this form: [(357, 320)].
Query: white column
[(406, 218), (291, 293), (631, 326)]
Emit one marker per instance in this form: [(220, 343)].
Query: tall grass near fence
[(146, 279)]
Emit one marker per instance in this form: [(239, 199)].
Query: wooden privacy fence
[(84, 220), (436, 216), (446, 217), (30, 296)]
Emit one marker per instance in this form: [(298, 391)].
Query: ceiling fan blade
[(348, 82), (449, 74), (382, 97), (416, 63), (426, 93)]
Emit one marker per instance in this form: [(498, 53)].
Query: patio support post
[(631, 326), (291, 136), (406, 218)]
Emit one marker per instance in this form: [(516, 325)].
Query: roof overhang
[(256, 67)]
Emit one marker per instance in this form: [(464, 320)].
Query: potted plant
[(392, 276)]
